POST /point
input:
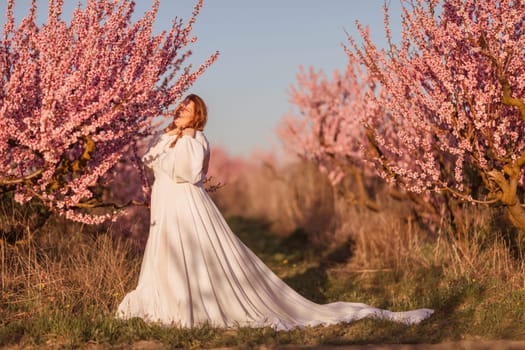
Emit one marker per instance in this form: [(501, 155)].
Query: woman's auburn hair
[(200, 111), (200, 115)]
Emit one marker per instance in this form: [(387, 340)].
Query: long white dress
[(195, 271)]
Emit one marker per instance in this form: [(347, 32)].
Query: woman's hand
[(175, 131)]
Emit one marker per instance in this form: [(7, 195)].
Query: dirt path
[(461, 345)]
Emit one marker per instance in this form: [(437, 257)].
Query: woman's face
[(185, 114)]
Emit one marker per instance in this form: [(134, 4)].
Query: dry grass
[(61, 283), (392, 238), (64, 267), (298, 197)]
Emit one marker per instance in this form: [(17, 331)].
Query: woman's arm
[(184, 163)]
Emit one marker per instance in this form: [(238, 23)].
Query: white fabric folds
[(195, 270)]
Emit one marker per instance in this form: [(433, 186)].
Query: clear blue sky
[(262, 44)]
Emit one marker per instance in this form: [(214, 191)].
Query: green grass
[(465, 307)]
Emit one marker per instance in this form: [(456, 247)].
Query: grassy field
[(61, 286)]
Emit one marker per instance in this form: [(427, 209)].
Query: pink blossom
[(445, 90), (76, 96)]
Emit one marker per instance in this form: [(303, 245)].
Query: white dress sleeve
[(184, 162)]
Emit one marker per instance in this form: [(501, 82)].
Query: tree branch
[(508, 100), (470, 199), (16, 181), (96, 204), (378, 154)]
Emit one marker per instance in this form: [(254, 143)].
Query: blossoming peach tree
[(441, 113), (326, 127), (75, 96), (454, 90)]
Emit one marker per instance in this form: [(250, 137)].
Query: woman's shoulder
[(199, 136)]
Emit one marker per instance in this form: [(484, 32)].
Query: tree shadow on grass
[(293, 249), (311, 284), (454, 307), (449, 322)]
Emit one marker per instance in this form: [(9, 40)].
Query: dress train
[(196, 271)]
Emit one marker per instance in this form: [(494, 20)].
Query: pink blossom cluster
[(453, 93), (75, 96), (227, 169), (327, 125)]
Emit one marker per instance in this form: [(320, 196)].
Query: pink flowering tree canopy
[(327, 128), (74, 97), (453, 89)]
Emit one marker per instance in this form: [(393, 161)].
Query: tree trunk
[(363, 200), (516, 215), (509, 196)]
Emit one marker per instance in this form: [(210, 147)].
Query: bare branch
[(96, 204), (468, 198), (16, 181), (509, 100)]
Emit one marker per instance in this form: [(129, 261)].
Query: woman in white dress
[(195, 271)]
